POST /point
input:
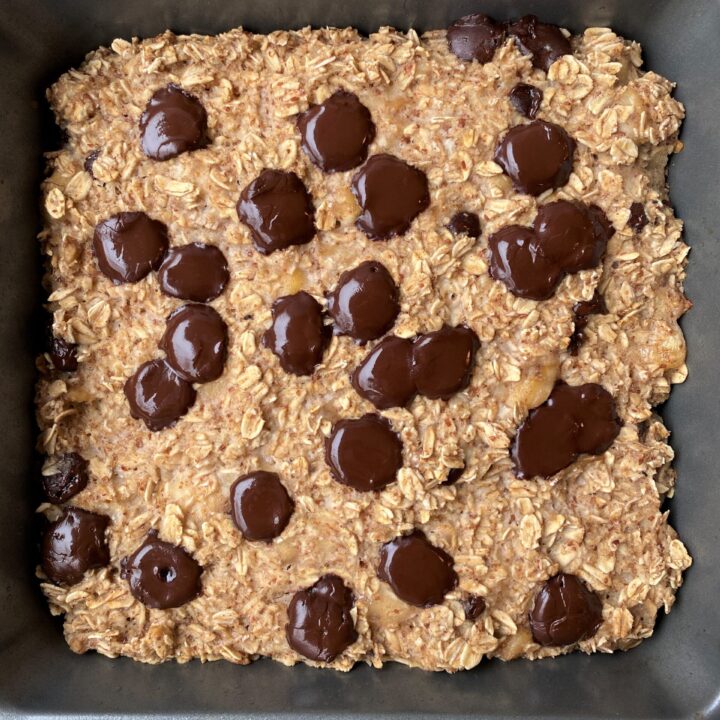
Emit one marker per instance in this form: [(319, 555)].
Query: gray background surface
[(675, 674)]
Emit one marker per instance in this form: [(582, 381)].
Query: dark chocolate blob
[(320, 625), (174, 122), (195, 342), (157, 395), (537, 156), (391, 194), (129, 245), (474, 607), (336, 134), (69, 478), (195, 272), (162, 575), (63, 355), (279, 211), (565, 611), (74, 544), (364, 453), (260, 505), (545, 42), (297, 334), (419, 573), (475, 37), (442, 361), (90, 161), (575, 419), (384, 376), (566, 237), (638, 218), (365, 302), (582, 312), (465, 223), (526, 99), (454, 474)]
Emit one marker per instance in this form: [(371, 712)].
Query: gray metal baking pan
[(674, 674)]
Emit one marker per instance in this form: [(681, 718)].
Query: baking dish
[(675, 674)]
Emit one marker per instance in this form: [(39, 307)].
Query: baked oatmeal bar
[(356, 343)]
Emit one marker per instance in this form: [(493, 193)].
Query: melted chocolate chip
[(297, 334), (526, 99), (337, 133), (566, 237), (384, 376), (537, 156), (565, 612), (195, 272), (195, 342), (419, 573), (279, 211), (162, 575), (365, 453), (90, 161), (582, 312), (74, 544), (575, 419), (365, 302), (474, 607), (465, 223), (63, 355), (69, 478), (454, 474), (638, 218), (320, 625), (129, 245), (260, 505), (475, 37), (442, 361), (391, 194), (157, 395), (545, 42), (174, 122)]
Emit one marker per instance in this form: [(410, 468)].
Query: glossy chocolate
[(365, 302), (174, 122), (162, 575), (74, 544), (638, 218), (129, 245), (384, 377), (63, 355), (575, 419), (545, 42), (90, 161), (195, 342), (442, 361), (475, 37), (278, 210), (565, 611), (195, 272), (391, 194), (582, 312), (260, 505), (336, 134), (157, 395), (297, 334), (566, 237), (474, 607), (70, 477), (364, 453), (537, 156), (526, 99), (320, 625), (465, 223), (419, 573)]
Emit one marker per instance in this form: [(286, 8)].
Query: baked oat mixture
[(356, 343)]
